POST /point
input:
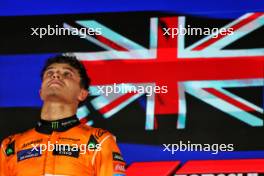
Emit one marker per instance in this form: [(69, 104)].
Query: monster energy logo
[(54, 125)]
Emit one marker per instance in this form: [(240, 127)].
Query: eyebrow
[(67, 68), (49, 68)]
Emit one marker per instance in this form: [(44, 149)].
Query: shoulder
[(99, 134), (8, 140), (14, 138)]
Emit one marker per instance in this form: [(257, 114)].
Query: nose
[(56, 75)]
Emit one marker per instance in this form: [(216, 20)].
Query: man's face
[(61, 82)]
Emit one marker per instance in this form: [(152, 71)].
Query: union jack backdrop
[(214, 82)]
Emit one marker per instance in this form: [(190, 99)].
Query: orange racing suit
[(74, 149)]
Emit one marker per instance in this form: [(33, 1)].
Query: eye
[(67, 74), (49, 73)]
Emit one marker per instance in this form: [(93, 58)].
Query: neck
[(57, 110)]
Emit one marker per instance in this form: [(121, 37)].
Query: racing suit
[(62, 147)]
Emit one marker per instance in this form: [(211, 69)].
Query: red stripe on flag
[(116, 71), (110, 43), (161, 168), (116, 102), (84, 120), (223, 166), (167, 45), (235, 27), (229, 99)]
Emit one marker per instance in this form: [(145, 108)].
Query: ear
[(83, 95)]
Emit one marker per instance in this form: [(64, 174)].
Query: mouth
[(58, 83)]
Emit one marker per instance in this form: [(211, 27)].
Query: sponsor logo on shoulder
[(118, 157)]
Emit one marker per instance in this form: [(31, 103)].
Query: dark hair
[(73, 62)]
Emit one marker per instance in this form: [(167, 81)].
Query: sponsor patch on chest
[(27, 154)]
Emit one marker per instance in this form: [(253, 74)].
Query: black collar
[(47, 127)]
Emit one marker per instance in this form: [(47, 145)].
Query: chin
[(54, 96)]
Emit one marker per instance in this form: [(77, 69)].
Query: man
[(60, 144)]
